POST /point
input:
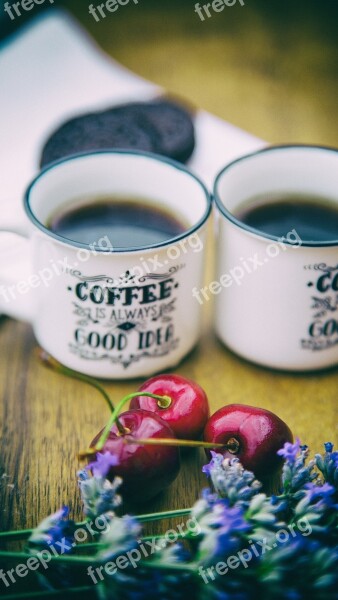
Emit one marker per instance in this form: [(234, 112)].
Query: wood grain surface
[(269, 71)]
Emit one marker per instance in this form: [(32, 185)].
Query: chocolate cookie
[(97, 131), (170, 123), (160, 126)]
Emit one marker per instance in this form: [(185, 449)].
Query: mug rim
[(158, 158), (252, 230)]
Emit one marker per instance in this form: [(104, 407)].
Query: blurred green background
[(269, 67)]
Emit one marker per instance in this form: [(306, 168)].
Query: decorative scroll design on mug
[(325, 305), (160, 276), (125, 361), (321, 267), (91, 278), (126, 278), (327, 269)]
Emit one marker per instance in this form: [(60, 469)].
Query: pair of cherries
[(146, 438)]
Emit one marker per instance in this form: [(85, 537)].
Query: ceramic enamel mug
[(110, 312), (277, 297)]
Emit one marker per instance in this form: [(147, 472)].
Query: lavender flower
[(282, 570), (317, 505), (295, 472), (52, 531), (121, 537), (233, 519), (151, 582), (221, 530), (325, 491), (55, 534), (328, 465), (263, 511), (214, 464), (231, 480), (290, 451), (99, 495), (102, 465)]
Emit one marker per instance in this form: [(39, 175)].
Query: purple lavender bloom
[(102, 465), (324, 492), (99, 495), (215, 462), (229, 519), (334, 458), (53, 531), (121, 537), (328, 464), (209, 497), (230, 480), (290, 451), (222, 529)]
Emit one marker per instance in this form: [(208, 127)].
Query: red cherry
[(145, 470), (252, 434), (186, 409)]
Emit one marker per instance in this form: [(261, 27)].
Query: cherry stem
[(51, 362), (164, 402), (172, 442), (113, 419)]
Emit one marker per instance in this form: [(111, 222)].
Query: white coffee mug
[(277, 298), (111, 313)]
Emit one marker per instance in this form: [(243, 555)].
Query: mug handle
[(16, 291)]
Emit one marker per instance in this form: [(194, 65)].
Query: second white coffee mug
[(277, 297)]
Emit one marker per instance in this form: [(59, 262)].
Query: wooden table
[(269, 72)]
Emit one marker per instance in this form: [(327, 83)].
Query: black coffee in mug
[(315, 219), (126, 222)]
